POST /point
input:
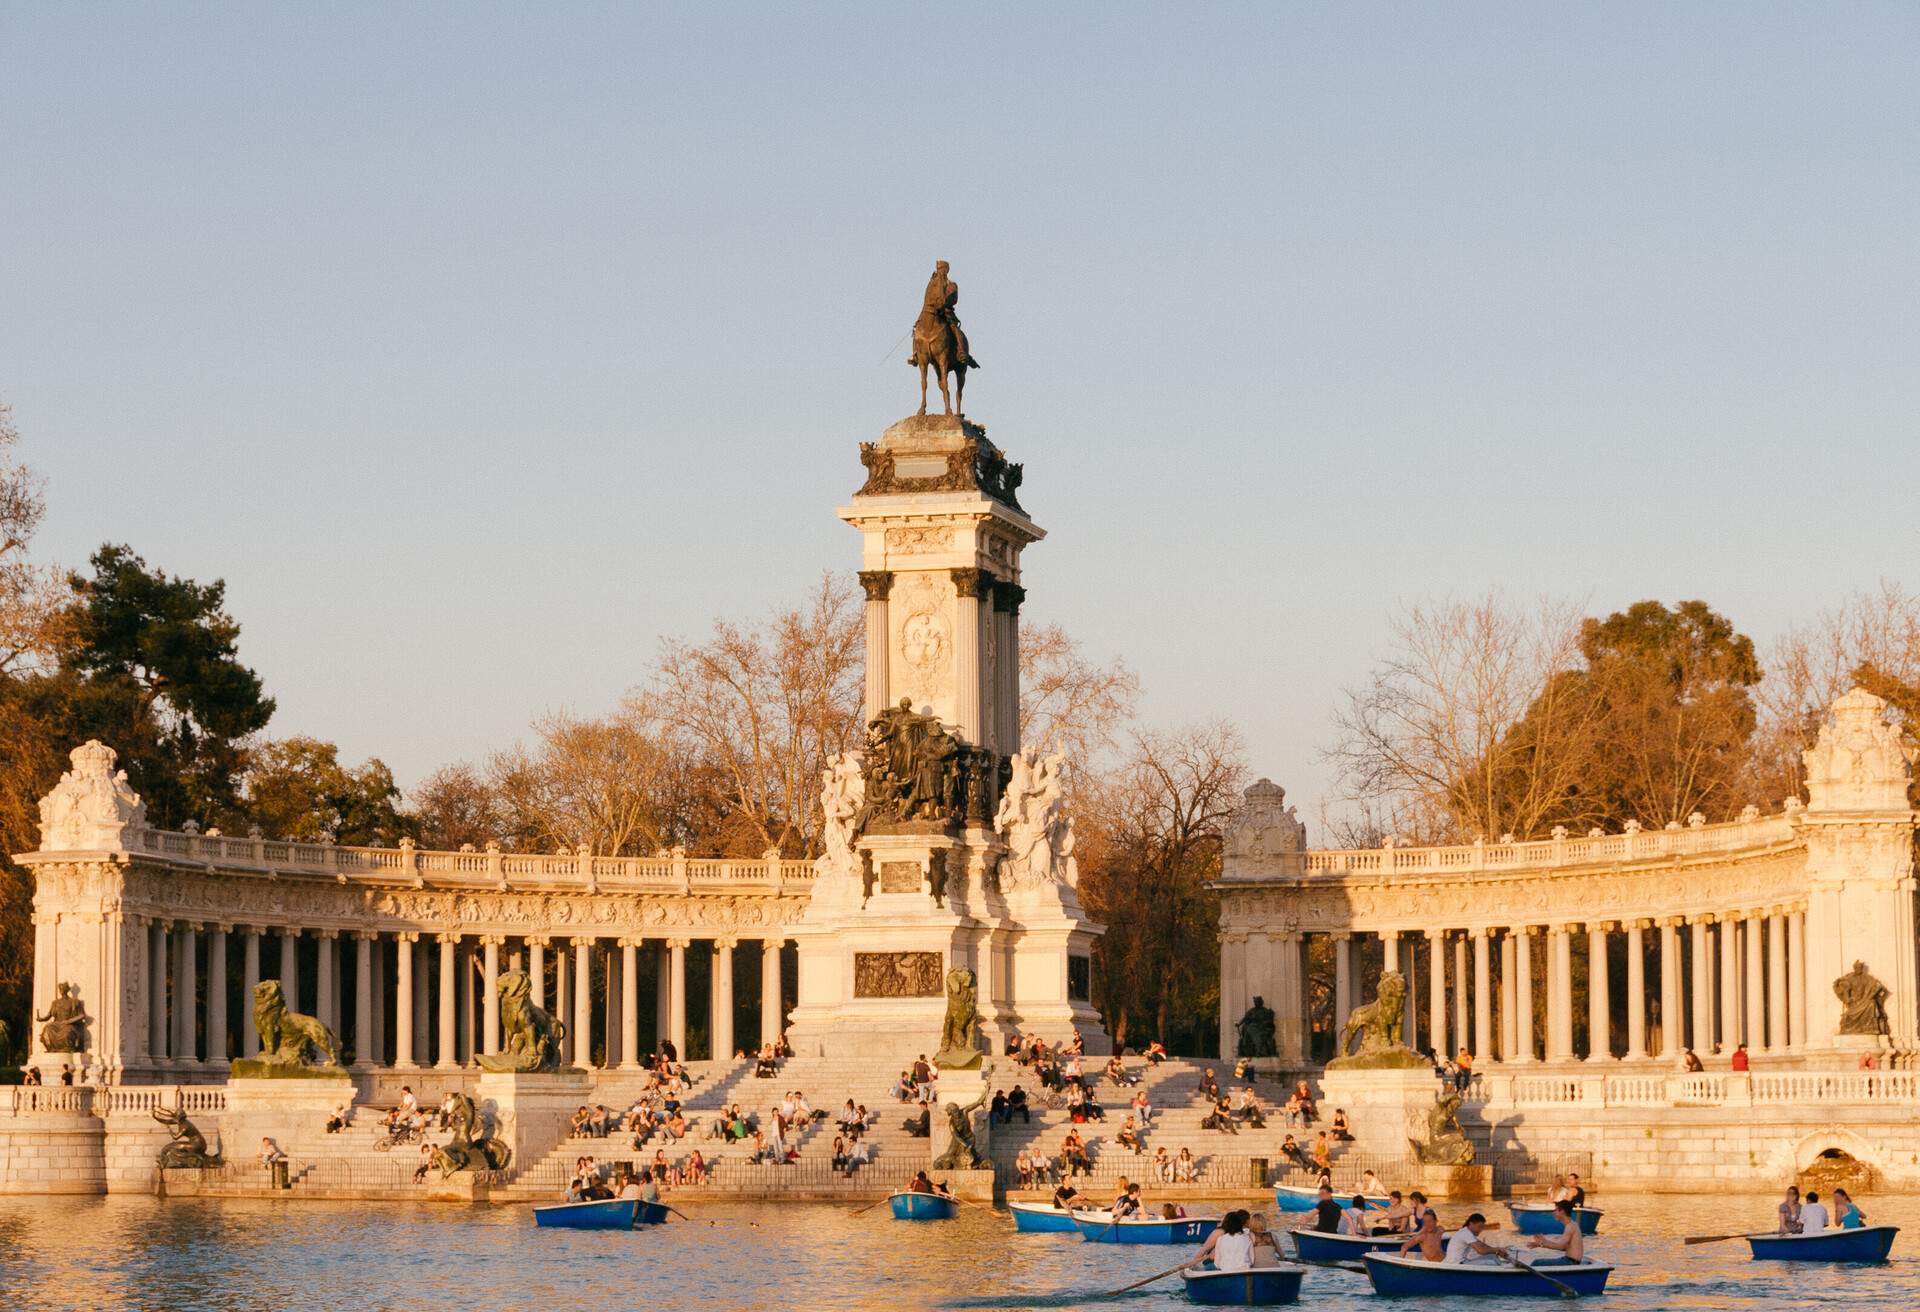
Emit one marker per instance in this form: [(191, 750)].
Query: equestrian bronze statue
[(939, 342)]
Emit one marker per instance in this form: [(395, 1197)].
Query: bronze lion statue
[(286, 1037)]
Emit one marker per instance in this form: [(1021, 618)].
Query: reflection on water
[(191, 1254)]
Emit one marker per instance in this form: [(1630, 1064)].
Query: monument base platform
[(1460, 1184)]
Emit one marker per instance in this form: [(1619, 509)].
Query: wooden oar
[(1138, 1283), (870, 1206), (1337, 1266), (1566, 1290), (1711, 1239)]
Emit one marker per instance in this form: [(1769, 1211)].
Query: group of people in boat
[(1810, 1216), (592, 1185)]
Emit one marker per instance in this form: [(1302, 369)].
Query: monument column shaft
[(677, 1005), (1522, 994), (1671, 1008), (217, 996), (1437, 990), (1753, 927), (583, 1003), (1797, 978), (537, 971), (1702, 1038), (364, 1054), (448, 1059), (290, 968), (877, 584), (721, 997), (1729, 982), (490, 1007), (1562, 993), (769, 991), (966, 654), (1599, 1003), (250, 953), (1509, 1029), (403, 1001), (1460, 1037), (1636, 992), (629, 1003), (1342, 981), (1482, 996), (1778, 1037)]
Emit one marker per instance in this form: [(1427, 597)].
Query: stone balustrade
[(1793, 1089)]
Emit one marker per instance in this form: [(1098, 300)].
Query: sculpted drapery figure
[(912, 767), (939, 343), (1034, 823), (843, 796), (1863, 1002), (66, 1023)]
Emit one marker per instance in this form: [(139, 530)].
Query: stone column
[(1459, 992), (629, 1005), (323, 1004), (1729, 981), (1006, 698), (1342, 981), (1797, 979), (1437, 991), (720, 1024), (464, 1048), (403, 1000), (448, 945), (1509, 1032), (1013, 594), (966, 650), (157, 1027), (290, 967), (1482, 996), (1560, 1032), (677, 1006), (1637, 991), (217, 1038), (1599, 1003), (537, 970), (1522, 993), (186, 1003), (250, 953), (1702, 1037), (877, 583), (583, 1003), (1672, 1004), (490, 1005), (1753, 926), (364, 1056), (1289, 950), (772, 1019), (1777, 1034)]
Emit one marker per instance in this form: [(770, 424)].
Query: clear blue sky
[(477, 347)]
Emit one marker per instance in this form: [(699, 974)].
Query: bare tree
[(764, 706), (612, 783), (455, 806), (1067, 702), (1152, 841), (1464, 728), (32, 597)]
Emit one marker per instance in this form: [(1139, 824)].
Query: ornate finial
[(1862, 762), (91, 809)]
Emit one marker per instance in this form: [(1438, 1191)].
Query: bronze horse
[(939, 341)]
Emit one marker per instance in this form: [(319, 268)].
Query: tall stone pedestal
[(284, 1110), (531, 1113)]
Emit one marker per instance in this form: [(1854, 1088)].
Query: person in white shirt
[(1230, 1246), (1813, 1214), (1353, 1218), (1465, 1245)]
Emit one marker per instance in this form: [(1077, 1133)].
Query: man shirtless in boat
[(1426, 1234), (1569, 1241)]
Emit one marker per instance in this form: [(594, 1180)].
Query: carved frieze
[(919, 539), (897, 975)]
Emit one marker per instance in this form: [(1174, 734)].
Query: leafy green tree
[(297, 789), (154, 671)]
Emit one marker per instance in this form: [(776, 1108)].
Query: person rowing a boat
[(1398, 1215), (1426, 1231), (1466, 1246), (1127, 1205), (1813, 1215), (921, 1184), (1569, 1242), (1230, 1247)]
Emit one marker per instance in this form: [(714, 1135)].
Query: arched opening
[(1836, 1168)]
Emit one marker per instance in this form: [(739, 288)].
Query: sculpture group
[(912, 769), (1034, 823)]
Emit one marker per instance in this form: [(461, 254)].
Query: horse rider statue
[(938, 341)]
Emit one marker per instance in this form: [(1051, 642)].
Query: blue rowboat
[(1869, 1243), (1313, 1246), (1046, 1218), (1303, 1198), (1414, 1277), (922, 1207), (1257, 1287), (1538, 1218), (604, 1214), (1186, 1230)]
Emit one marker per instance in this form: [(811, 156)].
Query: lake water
[(114, 1253)]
